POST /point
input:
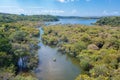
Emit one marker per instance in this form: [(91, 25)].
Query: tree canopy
[(111, 21)]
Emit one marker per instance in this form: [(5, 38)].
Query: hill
[(4, 17), (111, 21)]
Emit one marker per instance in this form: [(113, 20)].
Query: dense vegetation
[(18, 41), (77, 17), (14, 18), (111, 21), (97, 48)]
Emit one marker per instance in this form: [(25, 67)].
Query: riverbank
[(18, 49), (52, 61), (94, 46)]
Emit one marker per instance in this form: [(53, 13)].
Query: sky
[(62, 7)]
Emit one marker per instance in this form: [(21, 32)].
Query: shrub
[(85, 64), (20, 77), (84, 77), (100, 70)]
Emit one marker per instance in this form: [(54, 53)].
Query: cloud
[(30, 10), (116, 12), (11, 9), (7, 6), (106, 13), (74, 11), (87, 0), (48, 11), (65, 1), (62, 1)]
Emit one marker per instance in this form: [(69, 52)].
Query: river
[(64, 67), (73, 21)]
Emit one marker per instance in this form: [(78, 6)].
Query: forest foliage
[(14, 18), (97, 48), (18, 40), (113, 21)]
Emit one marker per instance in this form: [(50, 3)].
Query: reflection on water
[(62, 69), (65, 67), (22, 63), (73, 21)]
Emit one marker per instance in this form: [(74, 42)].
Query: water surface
[(65, 67), (62, 69), (73, 21)]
